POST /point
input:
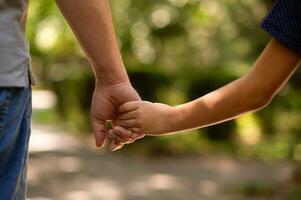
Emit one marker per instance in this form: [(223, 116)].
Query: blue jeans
[(15, 114)]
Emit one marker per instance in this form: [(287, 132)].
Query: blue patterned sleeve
[(284, 23)]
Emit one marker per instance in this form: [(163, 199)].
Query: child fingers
[(137, 136), (114, 146), (129, 123), (135, 130), (122, 132), (127, 115), (117, 138), (120, 140), (128, 106), (132, 133)]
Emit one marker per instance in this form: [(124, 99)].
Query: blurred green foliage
[(174, 51)]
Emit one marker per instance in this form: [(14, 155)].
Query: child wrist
[(175, 119)]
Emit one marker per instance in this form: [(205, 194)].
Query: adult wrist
[(110, 74), (103, 82), (111, 78)]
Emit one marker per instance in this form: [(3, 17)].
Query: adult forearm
[(91, 22)]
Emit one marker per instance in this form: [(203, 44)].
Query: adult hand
[(105, 103), (94, 30), (121, 136)]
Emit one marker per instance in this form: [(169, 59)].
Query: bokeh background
[(174, 51)]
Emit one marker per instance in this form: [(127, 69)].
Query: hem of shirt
[(276, 29), (8, 83), (28, 79)]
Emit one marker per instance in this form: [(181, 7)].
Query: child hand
[(146, 117)]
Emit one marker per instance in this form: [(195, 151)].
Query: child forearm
[(251, 92), (218, 106)]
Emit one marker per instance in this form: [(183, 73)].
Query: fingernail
[(99, 141), (99, 144)]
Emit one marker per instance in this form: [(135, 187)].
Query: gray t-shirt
[(14, 49)]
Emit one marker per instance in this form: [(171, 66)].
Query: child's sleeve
[(284, 23)]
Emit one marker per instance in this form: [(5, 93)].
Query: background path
[(65, 167)]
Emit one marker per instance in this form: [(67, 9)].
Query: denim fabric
[(284, 23), (15, 113)]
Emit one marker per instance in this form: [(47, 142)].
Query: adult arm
[(92, 24)]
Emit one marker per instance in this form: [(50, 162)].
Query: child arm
[(251, 92)]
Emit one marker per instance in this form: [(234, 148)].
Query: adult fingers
[(119, 139), (115, 144), (122, 132), (137, 136), (133, 133)]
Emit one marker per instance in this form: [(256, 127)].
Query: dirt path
[(63, 167)]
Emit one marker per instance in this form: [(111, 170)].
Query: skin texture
[(251, 92), (92, 24), (104, 107)]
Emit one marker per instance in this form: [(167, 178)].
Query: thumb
[(100, 132)]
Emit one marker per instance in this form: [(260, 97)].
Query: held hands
[(146, 117), (131, 117), (137, 117), (105, 102)]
